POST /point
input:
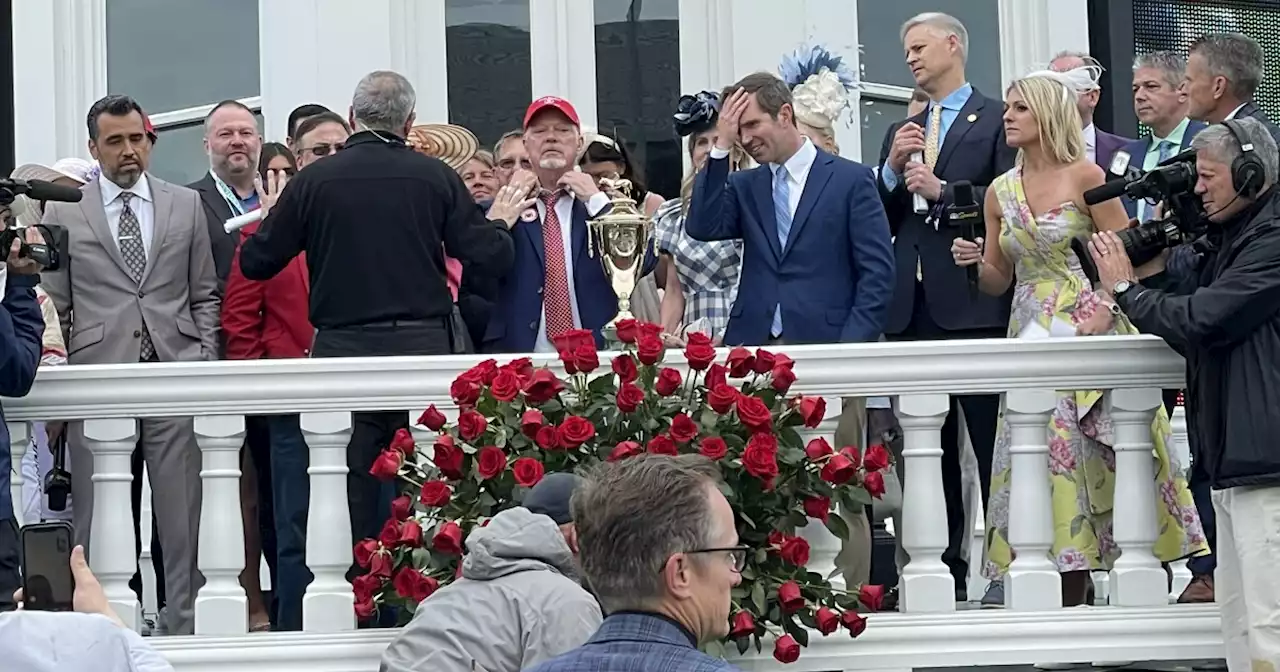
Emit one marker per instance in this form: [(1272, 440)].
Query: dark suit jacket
[(1254, 112), (1106, 146), (1137, 154), (833, 279), (216, 211), (972, 150)]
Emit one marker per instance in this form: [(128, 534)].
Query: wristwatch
[(1120, 288)]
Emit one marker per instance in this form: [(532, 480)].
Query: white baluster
[(823, 546), (1033, 582), (111, 552), (1137, 579), (329, 604), (221, 606), (19, 438), (927, 584)]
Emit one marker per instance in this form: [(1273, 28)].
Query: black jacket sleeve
[(482, 245), (282, 236)]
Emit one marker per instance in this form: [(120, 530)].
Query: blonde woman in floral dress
[(1035, 211)]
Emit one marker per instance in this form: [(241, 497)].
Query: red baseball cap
[(553, 102)]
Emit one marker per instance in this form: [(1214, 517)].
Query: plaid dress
[(708, 271)]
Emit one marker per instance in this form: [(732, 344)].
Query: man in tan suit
[(140, 287)]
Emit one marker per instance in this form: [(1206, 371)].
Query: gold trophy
[(623, 235)]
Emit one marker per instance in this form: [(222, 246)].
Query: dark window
[(488, 59), (638, 84), (877, 116), (883, 62)]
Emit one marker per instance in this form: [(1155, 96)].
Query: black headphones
[(1247, 173)]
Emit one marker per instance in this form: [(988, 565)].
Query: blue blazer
[(517, 312), (1137, 150), (834, 278), (21, 336), (631, 641)]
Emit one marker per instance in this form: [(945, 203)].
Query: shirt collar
[(799, 164), (956, 100), (1175, 136), (111, 191), (1237, 110), (1091, 136)]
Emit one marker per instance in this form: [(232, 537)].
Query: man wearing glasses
[(319, 136)]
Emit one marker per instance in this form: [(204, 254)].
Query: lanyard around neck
[(228, 195)]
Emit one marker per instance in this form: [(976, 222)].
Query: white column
[(1033, 583), (706, 45), (329, 604), (60, 69), (419, 52), (1137, 579), (1032, 31), (221, 606), (927, 584), (111, 552), (562, 53), (19, 437)]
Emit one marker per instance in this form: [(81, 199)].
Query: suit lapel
[(958, 129), (764, 203), (819, 175), (212, 198), (578, 231), (162, 212), (95, 213)]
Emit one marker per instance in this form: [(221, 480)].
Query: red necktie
[(555, 297)]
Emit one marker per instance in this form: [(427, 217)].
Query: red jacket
[(267, 320)]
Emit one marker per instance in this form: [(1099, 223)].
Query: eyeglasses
[(324, 149), (737, 555)]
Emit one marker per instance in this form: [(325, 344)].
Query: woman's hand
[(1099, 323), (269, 191), (967, 253)]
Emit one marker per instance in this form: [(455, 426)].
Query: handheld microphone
[(919, 203), (965, 213), (1109, 190), (240, 221)]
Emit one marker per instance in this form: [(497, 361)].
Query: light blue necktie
[(781, 212), (1164, 150)]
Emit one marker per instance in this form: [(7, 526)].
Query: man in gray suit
[(140, 287)]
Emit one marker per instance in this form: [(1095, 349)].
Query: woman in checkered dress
[(705, 273)]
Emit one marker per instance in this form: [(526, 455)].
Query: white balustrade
[(926, 583), (1137, 579), (823, 546), (1033, 581), (329, 604), (112, 555), (221, 605), (19, 439)]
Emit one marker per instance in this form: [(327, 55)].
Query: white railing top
[(379, 383)]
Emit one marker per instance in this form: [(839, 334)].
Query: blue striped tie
[(781, 212)]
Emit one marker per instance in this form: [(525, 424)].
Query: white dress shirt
[(1091, 143), (143, 207), (796, 170), (564, 211)]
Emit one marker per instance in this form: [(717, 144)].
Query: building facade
[(478, 63)]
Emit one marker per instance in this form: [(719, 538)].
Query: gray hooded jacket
[(517, 604)]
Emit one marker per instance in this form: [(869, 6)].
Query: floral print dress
[(1051, 285)]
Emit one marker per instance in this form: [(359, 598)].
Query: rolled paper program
[(240, 221)]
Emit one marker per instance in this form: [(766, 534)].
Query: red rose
[(786, 650), (465, 391), (403, 442), (432, 418), (389, 537), (506, 386), (700, 355), (741, 625), (649, 349), (795, 550), (543, 387), (855, 622), (522, 367), (630, 396), (410, 534), (873, 483), (448, 457), (663, 445), (575, 431), (838, 470), (387, 466), (782, 378), (573, 339), (483, 373), (667, 383), (381, 564), (364, 552), (818, 507), (789, 597), (812, 410), (527, 471), (448, 539), (876, 459), (547, 438), (851, 453), (530, 421), (490, 462), (683, 428), (740, 362), (624, 450), (364, 609), (471, 425), (722, 398), (586, 358), (760, 459), (783, 361), (713, 448), (827, 620), (715, 376), (871, 597), (365, 587), (764, 361), (648, 329), (817, 449), (754, 413), (401, 507), (625, 366), (435, 494), (697, 338), (412, 584), (627, 330)]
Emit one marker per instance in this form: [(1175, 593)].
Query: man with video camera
[(1224, 318)]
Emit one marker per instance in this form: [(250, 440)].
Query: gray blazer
[(102, 309)]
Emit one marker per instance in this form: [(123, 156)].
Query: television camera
[(49, 254)]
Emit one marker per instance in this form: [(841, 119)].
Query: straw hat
[(452, 144), (80, 170)]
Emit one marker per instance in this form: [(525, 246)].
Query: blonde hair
[(737, 161), (1058, 123), (484, 156)]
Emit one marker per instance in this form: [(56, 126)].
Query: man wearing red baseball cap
[(554, 285)]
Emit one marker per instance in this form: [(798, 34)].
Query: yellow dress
[(1050, 284)]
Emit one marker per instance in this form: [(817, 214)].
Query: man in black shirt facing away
[(373, 221)]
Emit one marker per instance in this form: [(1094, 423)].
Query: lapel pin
[(529, 215), (973, 118)]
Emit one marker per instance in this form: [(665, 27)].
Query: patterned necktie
[(555, 298), (781, 212), (1164, 150), (933, 139), (135, 256)]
